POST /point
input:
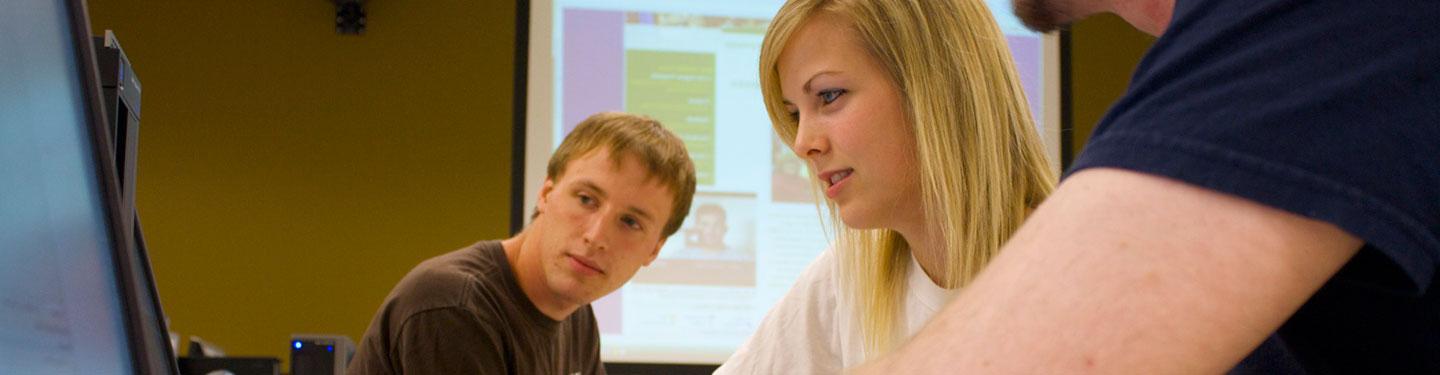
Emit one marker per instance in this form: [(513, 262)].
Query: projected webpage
[(754, 225)]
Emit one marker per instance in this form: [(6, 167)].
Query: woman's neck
[(928, 249)]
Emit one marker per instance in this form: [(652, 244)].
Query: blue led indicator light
[(298, 344)]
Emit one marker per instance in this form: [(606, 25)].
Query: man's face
[(598, 225)]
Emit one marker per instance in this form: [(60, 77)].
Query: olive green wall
[(1103, 53), (289, 176)]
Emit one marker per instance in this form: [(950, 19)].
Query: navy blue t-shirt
[(1328, 109)]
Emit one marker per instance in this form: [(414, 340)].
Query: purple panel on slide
[(608, 312), (594, 58), (1029, 62)]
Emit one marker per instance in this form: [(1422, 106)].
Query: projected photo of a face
[(715, 245)]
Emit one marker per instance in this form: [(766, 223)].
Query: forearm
[(1122, 272)]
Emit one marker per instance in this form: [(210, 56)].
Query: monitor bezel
[(119, 226)]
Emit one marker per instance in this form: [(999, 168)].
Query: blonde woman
[(911, 115)]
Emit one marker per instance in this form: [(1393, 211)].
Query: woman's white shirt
[(813, 329)]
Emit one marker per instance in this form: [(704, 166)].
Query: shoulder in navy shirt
[(1328, 109)]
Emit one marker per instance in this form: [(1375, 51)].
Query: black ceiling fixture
[(349, 16)]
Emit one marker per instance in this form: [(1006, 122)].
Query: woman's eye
[(829, 96)]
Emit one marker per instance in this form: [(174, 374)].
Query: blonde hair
[(661, 152), (981, 164)]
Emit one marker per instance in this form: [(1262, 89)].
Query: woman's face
[(852, 127)]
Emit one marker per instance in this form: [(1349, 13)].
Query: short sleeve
[(1339, 123), (799, 335)]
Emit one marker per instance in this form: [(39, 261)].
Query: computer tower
[(120, 98), (320, 354), (120, 90)]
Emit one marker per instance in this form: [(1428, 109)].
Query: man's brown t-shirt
[(464, 313)]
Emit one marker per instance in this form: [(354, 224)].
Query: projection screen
[(754, 224)]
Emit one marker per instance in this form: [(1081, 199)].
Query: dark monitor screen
[(62, 242)]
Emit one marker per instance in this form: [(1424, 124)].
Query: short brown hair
[(662, 153)]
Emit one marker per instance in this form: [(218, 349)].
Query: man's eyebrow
[(591, 186)]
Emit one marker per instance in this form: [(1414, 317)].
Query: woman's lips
[(835, 180)]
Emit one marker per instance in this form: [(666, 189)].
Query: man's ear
[(656, 253), (545, 190)]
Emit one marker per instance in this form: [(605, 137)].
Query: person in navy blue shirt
[(1265, 198)]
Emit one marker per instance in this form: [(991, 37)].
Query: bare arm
[(1125, 272)]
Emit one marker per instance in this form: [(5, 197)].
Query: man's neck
[(524, 258)]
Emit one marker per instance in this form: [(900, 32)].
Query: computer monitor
[(68, 300)]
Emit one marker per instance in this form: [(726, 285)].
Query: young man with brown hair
[(617, 187)]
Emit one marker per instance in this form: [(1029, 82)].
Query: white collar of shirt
[(925, 293)]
